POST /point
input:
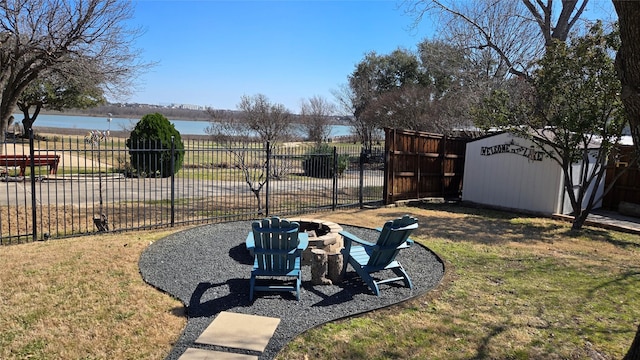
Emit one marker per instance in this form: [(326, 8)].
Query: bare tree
[(37, 36), (270, 121), (225, 125), (349, 106), (258, 118), (316, 115), (456, 79), (516, 32)]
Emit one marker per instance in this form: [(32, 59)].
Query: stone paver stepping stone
[(201, 354), (239, 331)]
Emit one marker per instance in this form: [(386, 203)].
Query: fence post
[(334, 197), (361, 183), (266, 190), (389, 150), (443, 172), (34, 213), (173, 181)]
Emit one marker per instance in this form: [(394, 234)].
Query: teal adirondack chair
[(367, 258), (277, 248)]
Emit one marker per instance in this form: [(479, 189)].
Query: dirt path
[(67, 160)]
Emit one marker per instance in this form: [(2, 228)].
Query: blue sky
[(213, 52)]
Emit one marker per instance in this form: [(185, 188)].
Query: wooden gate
[(627, 186), (421, 164)]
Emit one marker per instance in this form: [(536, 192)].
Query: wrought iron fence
[(63, 187)]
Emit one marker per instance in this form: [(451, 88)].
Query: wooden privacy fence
[(627, 186), (422, 165)]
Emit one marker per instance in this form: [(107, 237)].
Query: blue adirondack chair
[(277, 248), (368, 258)]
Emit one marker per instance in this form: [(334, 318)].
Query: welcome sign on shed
[(510, 172)]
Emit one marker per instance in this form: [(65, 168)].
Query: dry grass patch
[(84, 298), (516, 288)]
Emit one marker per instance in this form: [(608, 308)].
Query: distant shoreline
[(123, 115), (43, 130)]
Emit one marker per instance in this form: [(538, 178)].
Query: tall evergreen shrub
[(150, 146)]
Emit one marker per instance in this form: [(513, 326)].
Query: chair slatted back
[(394, 233), (276, 242)]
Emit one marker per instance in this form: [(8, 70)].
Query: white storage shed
[(510, 172)]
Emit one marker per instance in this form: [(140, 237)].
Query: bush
[(150, 146), (318, 162)]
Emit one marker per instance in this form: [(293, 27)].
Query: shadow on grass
[(630, 277), (595, 234), (457, 222), (489, 227), (483, 352)]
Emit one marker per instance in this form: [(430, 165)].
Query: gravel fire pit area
[(208, 269)]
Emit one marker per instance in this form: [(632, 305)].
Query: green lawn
[(516, 288)]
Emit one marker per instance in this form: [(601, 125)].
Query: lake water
[(186, 127)]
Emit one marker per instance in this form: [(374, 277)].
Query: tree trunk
[(27, 123), (628, 63), (634, 350), (28, 120), (628, 66), (256, 193), (579, 219)]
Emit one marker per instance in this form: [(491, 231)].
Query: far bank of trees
[(136, 111)]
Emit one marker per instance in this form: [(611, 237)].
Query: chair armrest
[(303, 239), (350, 237), (250, 242)]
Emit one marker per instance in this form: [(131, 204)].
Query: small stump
[(319, 269), (334, 267)]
